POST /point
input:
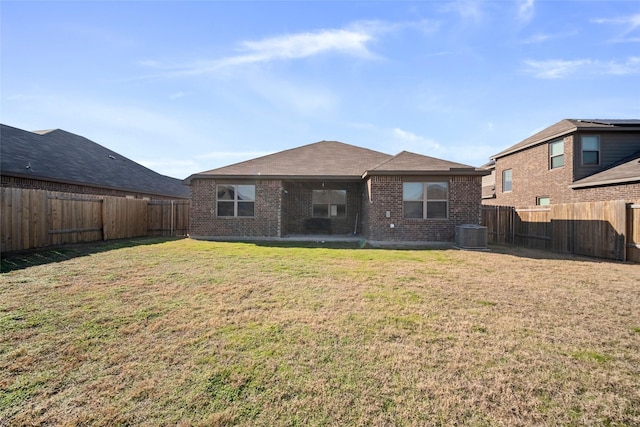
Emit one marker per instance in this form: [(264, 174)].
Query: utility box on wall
[(471, 236)]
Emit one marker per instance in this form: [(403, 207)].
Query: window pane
[(225, 208), (342, 210), (245, 208), (320, 211), (412, 191), (226, 192), (590, 143), (339, 197), (543, 201), (246, 192), (557, 162), (436, 209), (437, 191), (556, 148), (320, 197), (506, 180), (590, 157), (413, 210)]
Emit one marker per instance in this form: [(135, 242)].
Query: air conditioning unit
[(471, 236)]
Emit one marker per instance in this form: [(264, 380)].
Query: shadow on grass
[(19, 260)]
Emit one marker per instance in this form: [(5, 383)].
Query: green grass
[(182, 332)]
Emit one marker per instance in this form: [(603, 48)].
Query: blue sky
[(184, 87)]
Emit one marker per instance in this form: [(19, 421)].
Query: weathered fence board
[(609, 229), (38, 218), (633, 232)]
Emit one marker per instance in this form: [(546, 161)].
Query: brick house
[(56, 160), (571, 161), (336, 189)]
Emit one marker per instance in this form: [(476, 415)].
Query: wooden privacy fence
[(608, 229), (37, 218)]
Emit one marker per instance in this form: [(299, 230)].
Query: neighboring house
[(57, 160), (571, 161), (334, 188)]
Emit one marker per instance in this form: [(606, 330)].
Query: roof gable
[(321, 159), (411, 163), (62, 156)]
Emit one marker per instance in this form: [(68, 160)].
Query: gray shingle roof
[(334, 160), (406, 163), (61, 156), (322, 159), (567, 126), (626, 171)]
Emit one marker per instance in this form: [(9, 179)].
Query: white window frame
[(543, 201), (552, 156), (505, 180), (236, 200), (425, 200)]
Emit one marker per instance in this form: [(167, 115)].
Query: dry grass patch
[(187, 332)]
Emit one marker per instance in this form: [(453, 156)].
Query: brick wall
[(36, 184), (297, 206), (532, 178), (384, 194), (265, 223)]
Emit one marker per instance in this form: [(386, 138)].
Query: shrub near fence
[(609, 229), (37, 218)]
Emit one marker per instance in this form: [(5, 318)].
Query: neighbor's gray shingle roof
[(61, 156), (334, 160), (626, 171), (565, 127)]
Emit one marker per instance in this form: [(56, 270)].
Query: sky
[(188, 86)]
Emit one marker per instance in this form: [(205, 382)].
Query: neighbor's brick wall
[(297, 206), (532, 177), (36, 184), (627, 192), (265, 223), (465, 193)]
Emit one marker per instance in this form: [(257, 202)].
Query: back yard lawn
[(184, 332)]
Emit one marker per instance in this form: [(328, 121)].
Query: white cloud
[(526, 9), (409, 141), (467, 9), (630, 31), (558, 68)]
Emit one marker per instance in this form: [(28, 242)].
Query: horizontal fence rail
[(37, 218), (609, 229)]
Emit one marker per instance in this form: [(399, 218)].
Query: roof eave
[(628, 180), (188, 180), (566, 133), (92, 185), (452, 171)]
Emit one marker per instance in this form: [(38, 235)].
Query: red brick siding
[(35, 184), (386, 195), (265, 223), (297, 206), (532, 178)]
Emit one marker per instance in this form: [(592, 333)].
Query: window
[(507, 180), (425, 200), (590, 150), (556, 154), (329, 203), (543, 201), (236, 200)]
